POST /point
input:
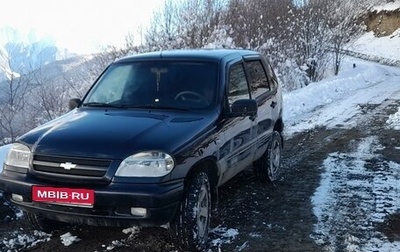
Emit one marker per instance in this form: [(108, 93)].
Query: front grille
[(54, 166)]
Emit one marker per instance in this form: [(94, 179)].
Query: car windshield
[(156, 84)]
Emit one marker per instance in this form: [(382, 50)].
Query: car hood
[(116, 134)]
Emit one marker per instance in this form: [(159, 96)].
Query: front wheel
[(191, 224), (40, 223), (268, 167)]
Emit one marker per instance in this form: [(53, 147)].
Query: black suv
[(151, 142)]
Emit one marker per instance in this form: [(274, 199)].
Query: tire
[(37, 222), (190, 226), (268, 167)]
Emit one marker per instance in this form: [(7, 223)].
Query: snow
[(387, 47), (225, 235), (20, 241), (334, 102), (68, 239), (388, 6), (373, 193), (394, 120), (3, 153), (131, 230)]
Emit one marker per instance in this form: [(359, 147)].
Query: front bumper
[(113, 202)]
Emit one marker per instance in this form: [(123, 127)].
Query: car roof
[(192, 54)]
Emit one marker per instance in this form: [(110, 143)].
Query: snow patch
[(243, 246), (132, 230), (388, 6), (20, 241), (114, 244), (68, 239), (394, 120), (224, 235)]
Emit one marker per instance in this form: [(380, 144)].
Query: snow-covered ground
[(387, 47), (332, 102), (388, 6), (354, 198)]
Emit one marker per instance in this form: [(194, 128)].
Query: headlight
[(18, 156), (146, 164)]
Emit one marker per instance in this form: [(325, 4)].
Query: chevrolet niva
[(150, 143)]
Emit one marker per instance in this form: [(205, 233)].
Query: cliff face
[(383, 22)]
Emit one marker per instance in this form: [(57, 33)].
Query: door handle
[(253, 117), (273, 104)]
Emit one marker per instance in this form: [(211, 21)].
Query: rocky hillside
[(383, 21)]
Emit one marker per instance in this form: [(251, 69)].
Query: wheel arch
[(279, 125), (209, 166)]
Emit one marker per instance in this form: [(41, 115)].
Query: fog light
[(17, 197), (139, 211)]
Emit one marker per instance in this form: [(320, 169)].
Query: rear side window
[(272, 77), (238, 88), (258, 78)]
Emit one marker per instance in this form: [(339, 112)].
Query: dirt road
[(339, 193)]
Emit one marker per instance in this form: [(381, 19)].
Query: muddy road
[(358, 209)]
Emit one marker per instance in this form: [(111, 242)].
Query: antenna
[(161, 51)]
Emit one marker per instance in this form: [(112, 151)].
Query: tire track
[(358, 191)]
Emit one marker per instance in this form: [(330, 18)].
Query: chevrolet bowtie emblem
[(67, 165)]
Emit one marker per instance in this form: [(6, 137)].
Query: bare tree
[(254, 22), (79, 79), (312, 29), (13, 100), (183, 24), (344, 26), (48, 98), (164, 28)]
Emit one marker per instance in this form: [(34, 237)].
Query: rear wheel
[(191, 224), (268, 167)]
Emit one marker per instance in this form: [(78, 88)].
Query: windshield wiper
[(140, 106), (101, 105), (152, 106)]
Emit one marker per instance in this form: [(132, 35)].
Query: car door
[(238, 151), (263, 91)]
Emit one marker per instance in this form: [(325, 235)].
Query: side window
[(238, 88), (272, 77), (258, 79)]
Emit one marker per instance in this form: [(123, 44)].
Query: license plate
[(65, 196)]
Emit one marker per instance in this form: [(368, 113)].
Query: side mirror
[(73, 103), (245, 107)]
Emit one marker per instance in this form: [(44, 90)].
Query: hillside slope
[(381, 42)]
